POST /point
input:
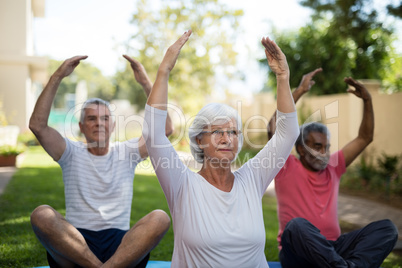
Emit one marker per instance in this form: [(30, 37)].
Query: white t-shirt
[(99, 189), (213, 228)]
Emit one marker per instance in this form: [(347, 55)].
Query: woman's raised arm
[(158, 96), (278, 64)]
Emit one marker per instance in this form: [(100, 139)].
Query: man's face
[(314, 154), (97, 126)]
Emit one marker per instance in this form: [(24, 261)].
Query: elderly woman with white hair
[(217, 213)]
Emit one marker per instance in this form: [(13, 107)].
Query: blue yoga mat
[(166, 264)]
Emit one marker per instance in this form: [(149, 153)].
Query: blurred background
[(223, 62)]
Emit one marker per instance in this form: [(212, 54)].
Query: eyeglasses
[(219, 133)]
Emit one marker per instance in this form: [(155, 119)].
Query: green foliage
[(381, 180), (7, 150), (209, 49), (388, 164), (128, 88), (27, 138), (389, 170), (97, 85), (345, 38), (395, 10), (366, 170)]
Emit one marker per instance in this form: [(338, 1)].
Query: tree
[(210, 49), (97, 85), (395, 10), (345, 38)]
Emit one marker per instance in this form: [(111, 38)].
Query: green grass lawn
[(39, 181)]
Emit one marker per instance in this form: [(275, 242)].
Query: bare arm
[(305, 85), (50, 139), (366, 130), (142, 78)]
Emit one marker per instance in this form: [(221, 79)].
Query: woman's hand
[(170, 58), (276, 59), (159, 94)]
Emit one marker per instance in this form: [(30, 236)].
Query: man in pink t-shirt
[(307, 193)]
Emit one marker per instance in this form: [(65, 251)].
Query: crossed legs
[(68, 247), (304, 246)]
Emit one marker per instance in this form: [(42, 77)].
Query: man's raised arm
[(49, 138), (305, 85), (142, 78), (366, 130)]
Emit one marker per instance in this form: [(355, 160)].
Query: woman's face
[(220, 142)]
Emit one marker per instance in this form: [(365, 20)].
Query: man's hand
[(366, 130), (360, 90), (307, 80), (68, 66), (140, 73)]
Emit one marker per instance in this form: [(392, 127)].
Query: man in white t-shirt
[(98, 178)]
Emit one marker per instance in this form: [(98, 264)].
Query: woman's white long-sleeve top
[(213, 228)]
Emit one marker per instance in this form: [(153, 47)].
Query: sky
[(98, 28)]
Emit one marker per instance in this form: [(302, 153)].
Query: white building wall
[(19, 68)]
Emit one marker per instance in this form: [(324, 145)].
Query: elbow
[(169, 130), (36, 126), (370, 139), (33, 126), (367, 138)]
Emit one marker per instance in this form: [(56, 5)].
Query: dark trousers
[(304, 246)]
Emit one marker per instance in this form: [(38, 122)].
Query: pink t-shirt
[(310, 195)]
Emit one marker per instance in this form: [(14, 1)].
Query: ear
[(199, 143), (198, 140), (80, 125), (300, 150)]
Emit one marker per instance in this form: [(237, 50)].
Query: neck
[(307, 166), (218, 174), (99, 150)]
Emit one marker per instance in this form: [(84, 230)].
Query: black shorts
[(102, 243)]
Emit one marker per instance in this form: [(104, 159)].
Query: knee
[(389, 229), (299, 228), (161, 219), (297, 225), (42, 215)]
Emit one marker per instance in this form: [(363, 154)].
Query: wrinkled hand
[(140, 73), (360, 90), (276, 59), (170, 58), (68, 66), (307, 80)]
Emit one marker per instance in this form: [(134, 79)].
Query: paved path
[(5, 176)]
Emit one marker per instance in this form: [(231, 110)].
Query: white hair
[(210, 114), (96, 101)]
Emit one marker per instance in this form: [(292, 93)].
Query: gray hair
[(307, 128), (91, 101), (212, 113)]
